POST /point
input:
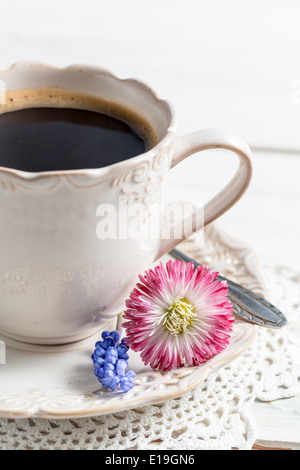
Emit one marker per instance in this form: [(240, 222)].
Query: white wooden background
[(222, 64)]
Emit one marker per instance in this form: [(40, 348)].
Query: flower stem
[(119, 328)]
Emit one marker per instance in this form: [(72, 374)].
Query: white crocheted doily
[(214, 416)]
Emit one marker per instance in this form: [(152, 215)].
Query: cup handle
[(204, 140)]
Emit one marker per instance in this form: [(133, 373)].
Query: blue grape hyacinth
[(110, 360)]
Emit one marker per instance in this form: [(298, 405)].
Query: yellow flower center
[(179, 316)]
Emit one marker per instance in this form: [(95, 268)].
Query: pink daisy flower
[(177, 315)]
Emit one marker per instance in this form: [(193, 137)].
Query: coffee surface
[(51, 132)]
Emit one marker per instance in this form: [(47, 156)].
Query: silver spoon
[(247, 305)]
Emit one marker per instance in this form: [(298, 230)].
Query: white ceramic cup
[(58, 279)]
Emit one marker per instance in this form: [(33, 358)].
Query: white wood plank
[(230, 64), (268, 215), (278, 422)]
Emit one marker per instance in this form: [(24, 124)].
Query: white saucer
[(60, 383)]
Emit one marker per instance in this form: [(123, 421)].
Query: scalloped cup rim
[(101, 171)]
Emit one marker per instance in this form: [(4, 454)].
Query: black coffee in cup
[(54, 130)]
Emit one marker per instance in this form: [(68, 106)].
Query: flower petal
[(206, 335)]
